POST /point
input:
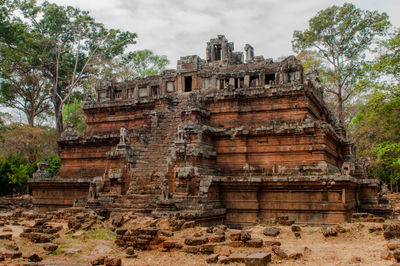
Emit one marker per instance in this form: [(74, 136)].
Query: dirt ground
[(356, 246)]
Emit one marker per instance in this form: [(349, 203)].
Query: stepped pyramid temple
[(234, 138)]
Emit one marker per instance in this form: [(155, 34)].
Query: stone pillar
[(163, 87), (136, 93), (232, 82), (249, 50), (214, 82), (179, 87), (208, 52), (224, 51), (261, 79), (148, 88), (246, 81)]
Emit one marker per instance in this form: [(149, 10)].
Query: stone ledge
[(59, 180), (319, 178)]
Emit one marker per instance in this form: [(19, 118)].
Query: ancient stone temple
[(235, 139)]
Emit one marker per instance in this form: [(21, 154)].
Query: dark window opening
[(217, 51), (155, 90), (236, 83), (253, 81), (241, 82), (188, 83), (269, 78), (117, 94), (221, 84)]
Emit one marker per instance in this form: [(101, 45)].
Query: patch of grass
[(101, 234)]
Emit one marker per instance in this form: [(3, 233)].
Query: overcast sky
[(178, 28)]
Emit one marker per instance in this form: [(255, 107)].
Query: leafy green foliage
[(141, 63), (342, 36), (54, 164), (64, 44), (15, 172), (73, 112), (376, 130), (383, 73)]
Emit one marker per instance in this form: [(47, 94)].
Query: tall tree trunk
[(31, 118), (58, 112), (340, 107)]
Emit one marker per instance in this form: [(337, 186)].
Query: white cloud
[(178, 28)]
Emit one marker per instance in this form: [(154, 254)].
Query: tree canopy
[(63, 44), (376, 128), (141, 63), (342, 35)]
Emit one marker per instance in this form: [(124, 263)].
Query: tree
[(62, 43), (25, 90), (73, 111), (31, 143), (376, 128), (342, 35), (141, 63), (387, 65)]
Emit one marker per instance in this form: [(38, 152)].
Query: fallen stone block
[(279, 252), (189, 224), (130, 253), (213, 258), (98, 261), (329, 231), (235, 235), (393, 244), (33, 257), (254, 243), (196, 241), (258, 259), (238, 257), (169, 244), (245, 235), (295, 228), (391, 229), (11, 254), (50, 247), (236, 244), (191, 249), (216, 238), (121, 231), (222, 250), (5, 236), (272, 243), (396, 254), (112, 261), (295, 255), (378, 219), (223, 259), (374, 228), (271, 231), (207, 248)]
